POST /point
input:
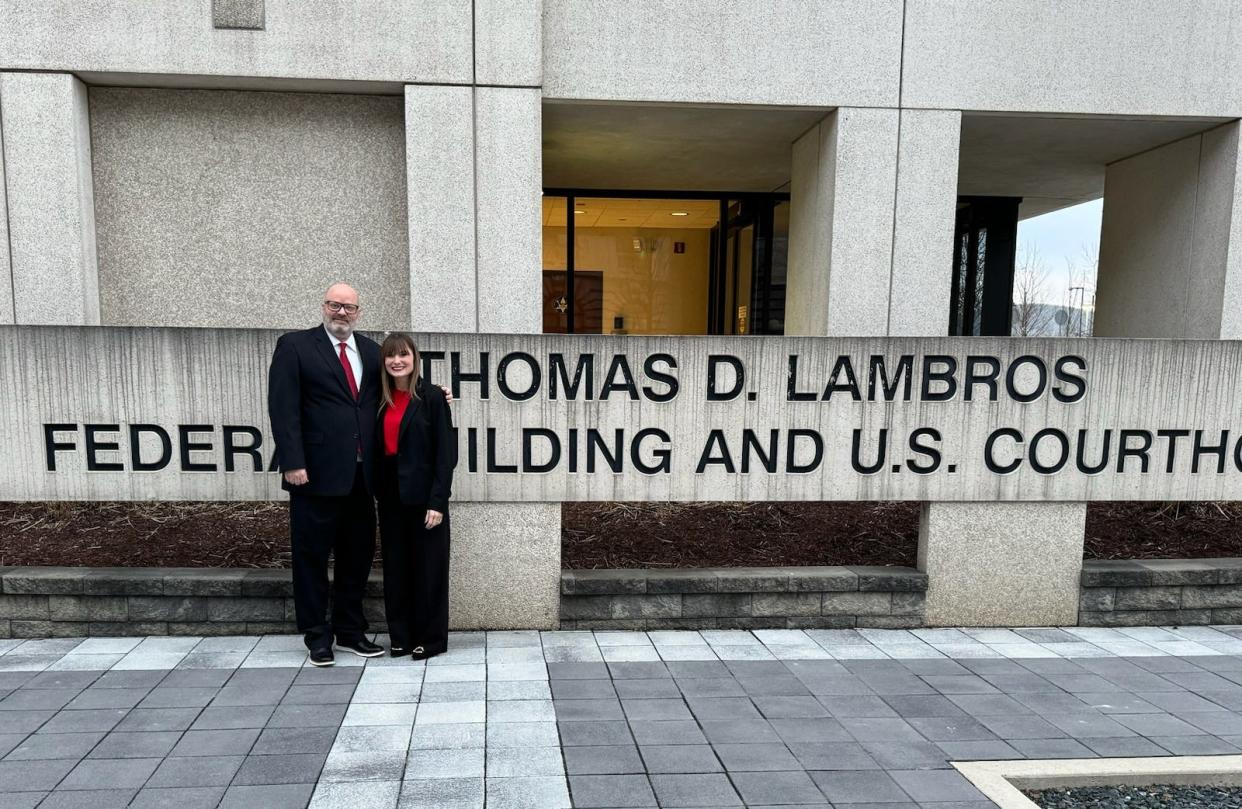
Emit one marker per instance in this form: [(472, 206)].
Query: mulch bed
[(594, 535)]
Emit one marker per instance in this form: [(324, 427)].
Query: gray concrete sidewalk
[(811, 718)]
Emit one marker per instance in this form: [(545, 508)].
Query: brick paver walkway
[(777, 718)]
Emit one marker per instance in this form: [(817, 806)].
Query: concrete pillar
[(508, 183), (473, 164), (841, 225), (925, 212), (1002, 564), (871, 254), (1171, 241), (6, 267), (439, 170), (51, 212)]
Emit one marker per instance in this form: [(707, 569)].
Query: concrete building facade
[(216, 163)]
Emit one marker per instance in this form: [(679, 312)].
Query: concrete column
[(508, 183), (473, 167), (925, 211), (6, 267), (439, 170), (51, 212), (506, 565), (1002, 564), (841, 225), (1171, 241)]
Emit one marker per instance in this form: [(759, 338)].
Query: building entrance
[(664, 262)]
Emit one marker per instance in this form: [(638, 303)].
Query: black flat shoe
[(322, 657), (422, 652), (397, 651), (362, 647)]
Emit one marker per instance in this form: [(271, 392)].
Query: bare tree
[(1080, 295), (1031, 316)]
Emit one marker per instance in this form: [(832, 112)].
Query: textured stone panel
[(439, 165), (1183, 571), (600, 582), (1214, 282), (244, 14), (230, 209), (1097, 599), (393, 41), (508, 42), (716, 605), (909, 604), (926, 208), (580, 607), (682, 581), (1176, 206), (506, 566), (785, 604), (1150, 618), (1219, 597), (87, 608), (51, 215), (1002, 564), (165, 608), (1150, 598), (827, 53), (509, 176), (25, 607), (857, 603), (1134, 57), (647, 606), (6, 267), (841, 225)]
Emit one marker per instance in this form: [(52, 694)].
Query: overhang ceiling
[(670, 148), (1055, 162), (1051, 162)]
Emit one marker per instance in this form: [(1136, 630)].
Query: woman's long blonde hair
[(397, 343)]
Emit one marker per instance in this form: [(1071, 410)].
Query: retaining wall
[(1161, 592), (79, 601)]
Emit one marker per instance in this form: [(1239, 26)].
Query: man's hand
[(434, 518), (448, 394), (297, 477)]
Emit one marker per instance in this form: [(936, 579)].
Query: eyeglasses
[(347, 308)]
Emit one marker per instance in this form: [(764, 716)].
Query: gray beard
[(340, 331)]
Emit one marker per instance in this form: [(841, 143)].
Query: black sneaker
[(322, 656), (361, 647)]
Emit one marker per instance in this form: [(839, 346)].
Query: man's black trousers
[(345, 528)]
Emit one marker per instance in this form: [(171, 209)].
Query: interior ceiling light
[(680, 213), (578, 211)]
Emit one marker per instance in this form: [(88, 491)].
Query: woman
[(418, 452)]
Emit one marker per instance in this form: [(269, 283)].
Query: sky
[(1060, 236)]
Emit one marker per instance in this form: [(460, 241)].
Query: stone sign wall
[(180, 414)]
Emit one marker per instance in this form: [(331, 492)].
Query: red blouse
[(392, 420)]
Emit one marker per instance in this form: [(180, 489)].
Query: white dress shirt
[(351, 351)]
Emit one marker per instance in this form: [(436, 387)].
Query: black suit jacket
[(426, 449), (316, 422)]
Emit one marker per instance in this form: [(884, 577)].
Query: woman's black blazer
[(426, 449)]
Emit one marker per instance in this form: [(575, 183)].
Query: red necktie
[(349, 372)]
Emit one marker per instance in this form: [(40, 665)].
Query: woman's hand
[(434, 518), (448, 394)]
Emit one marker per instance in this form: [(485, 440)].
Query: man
[(323, 395)]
